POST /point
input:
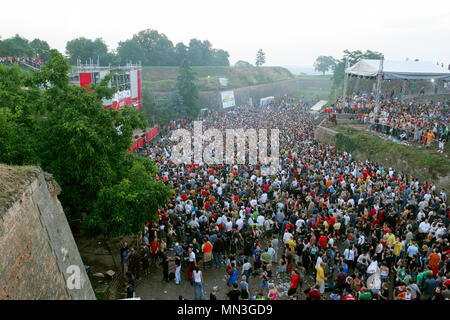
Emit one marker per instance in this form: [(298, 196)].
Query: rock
[(99, 275)]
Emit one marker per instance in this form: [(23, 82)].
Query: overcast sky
[(289, 32)]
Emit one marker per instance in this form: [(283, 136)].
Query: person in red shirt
[(314, 293), (323, 241), (154, 249), (294, 283), (349, 296)]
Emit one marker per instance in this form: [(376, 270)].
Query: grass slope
[(162, 79), (423, 162)]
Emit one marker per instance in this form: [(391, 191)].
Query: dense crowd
[(34, 62), (361, 230), (423, 123)]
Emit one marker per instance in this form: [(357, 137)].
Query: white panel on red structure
[(134, 84)]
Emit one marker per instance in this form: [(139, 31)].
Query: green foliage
[(392, 154), (41, 49), (324, 64), (18, 46), (86, 49), (15, 46), (260, 58), (64, 129), (343, 142), (138, 192), (188, 90), (155, 49), (158, 113)]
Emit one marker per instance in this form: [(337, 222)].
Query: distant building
[(127, 79)]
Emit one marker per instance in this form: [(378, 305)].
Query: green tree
[(177, 105), (157, 49), (181, 52), (220, 58), (64, 129), (324, 64), (84, 49), (121, 209), (130, 50), (41, 49), (158, 113), (19, 111), (188, 89), (195, 53), (16, 46), (260, 58)]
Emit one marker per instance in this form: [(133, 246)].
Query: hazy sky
[(289, 32)]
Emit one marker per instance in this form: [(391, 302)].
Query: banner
[(141, 141), (228, 99)]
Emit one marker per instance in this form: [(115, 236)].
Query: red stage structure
[(127, 79)]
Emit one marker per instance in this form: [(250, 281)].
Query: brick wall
[(37, 247)]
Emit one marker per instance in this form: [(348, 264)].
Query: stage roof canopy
[(394, 70)]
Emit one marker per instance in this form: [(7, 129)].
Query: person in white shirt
[(361, 240), (318, 261), (260, 220), (245, 268), (228, 225), (240, 223), (424, 227), (351, 202), (349, 256), (331, 241), (346, 219), (300, 223), (198, 284), (268, 223), (286, 236), (264, 198)]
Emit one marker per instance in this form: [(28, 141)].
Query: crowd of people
[(329, 226), (9, 61), (423, 123)]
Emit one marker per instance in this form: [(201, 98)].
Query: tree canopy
[(63, 128), (84, 49), (324, 64), (149, 47), (260, 58), (18, 46), (186, 89), (155, 49)]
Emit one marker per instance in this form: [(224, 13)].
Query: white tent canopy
[(318, 105), (410, 70)]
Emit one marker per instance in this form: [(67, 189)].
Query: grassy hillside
[(162, 79), (424, 163), (313, 88)]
